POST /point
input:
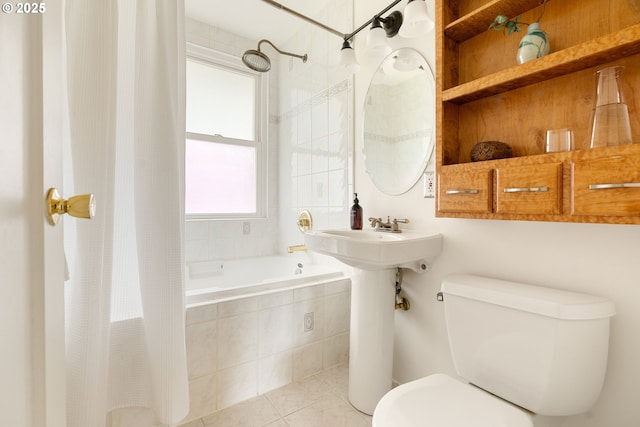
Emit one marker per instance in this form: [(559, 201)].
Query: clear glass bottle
[(610, 116)]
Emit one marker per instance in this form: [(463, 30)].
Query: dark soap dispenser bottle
[(356, 214)]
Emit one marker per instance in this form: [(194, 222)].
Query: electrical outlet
[(246, 228), (308, 322), (429, 184)]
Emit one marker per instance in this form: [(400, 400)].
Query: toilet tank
[(543, 349)]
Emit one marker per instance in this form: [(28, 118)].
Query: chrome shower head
[(258, 61)]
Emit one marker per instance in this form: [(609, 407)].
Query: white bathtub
[(215, 281)]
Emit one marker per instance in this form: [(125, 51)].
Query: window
[(226, 146)]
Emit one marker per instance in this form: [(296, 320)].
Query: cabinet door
[(606, 186), (531, 189), (463, 190)]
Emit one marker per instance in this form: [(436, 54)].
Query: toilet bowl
[(528, 353)]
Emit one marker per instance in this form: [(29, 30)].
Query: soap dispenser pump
[(356, 214)]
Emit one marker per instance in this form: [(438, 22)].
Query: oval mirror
[(399, 121)]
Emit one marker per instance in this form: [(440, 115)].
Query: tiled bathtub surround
[(248, 347), (242, 348)]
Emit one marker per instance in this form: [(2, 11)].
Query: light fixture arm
[(366, 24)]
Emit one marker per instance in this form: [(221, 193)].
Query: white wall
[(592, 258)]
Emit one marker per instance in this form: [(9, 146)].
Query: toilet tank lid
[(549, 302)]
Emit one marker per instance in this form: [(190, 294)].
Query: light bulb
[(377, 45), (348, 58), (416, 19)]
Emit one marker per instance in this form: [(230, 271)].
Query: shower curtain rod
[(306, 18)]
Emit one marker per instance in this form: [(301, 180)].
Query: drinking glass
[(559, 140)]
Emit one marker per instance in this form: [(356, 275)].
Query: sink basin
[(377, 250)]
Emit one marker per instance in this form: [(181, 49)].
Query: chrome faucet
[(388, 226)]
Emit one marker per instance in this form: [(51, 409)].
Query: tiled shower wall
[(316, 127)]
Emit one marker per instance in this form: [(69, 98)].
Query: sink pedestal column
[(371, 336), (375, 258)]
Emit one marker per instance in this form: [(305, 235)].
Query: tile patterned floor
[(317, 401)]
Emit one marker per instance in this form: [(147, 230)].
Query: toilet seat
[(441, 401)]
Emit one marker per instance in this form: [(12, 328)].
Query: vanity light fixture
[(416, 19), (416, 22), (377, 46), (348, 58)]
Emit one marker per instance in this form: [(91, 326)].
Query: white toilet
[(523, 349)]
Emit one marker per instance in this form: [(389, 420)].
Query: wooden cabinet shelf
[(482, 95), (478, 20), (604, 49)]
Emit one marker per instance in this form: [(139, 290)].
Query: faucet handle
[(394, 226), (403, 221)]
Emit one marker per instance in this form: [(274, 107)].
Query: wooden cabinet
[(482, 95), (606, 185), (463, 189), (530, 189)]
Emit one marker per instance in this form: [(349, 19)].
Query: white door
[(32, 370)]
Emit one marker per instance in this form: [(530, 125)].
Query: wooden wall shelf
[(591, 53), (481, 97), (479, 20)]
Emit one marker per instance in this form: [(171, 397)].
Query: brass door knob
[(81, 206)]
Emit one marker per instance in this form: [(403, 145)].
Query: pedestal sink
[(375, 257)]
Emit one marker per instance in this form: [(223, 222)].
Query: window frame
[(261, 131)]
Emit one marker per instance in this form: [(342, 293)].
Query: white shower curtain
[(125, 297)]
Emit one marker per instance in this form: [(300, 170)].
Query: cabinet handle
[(618, 185), (450, 192), (526, 189)]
